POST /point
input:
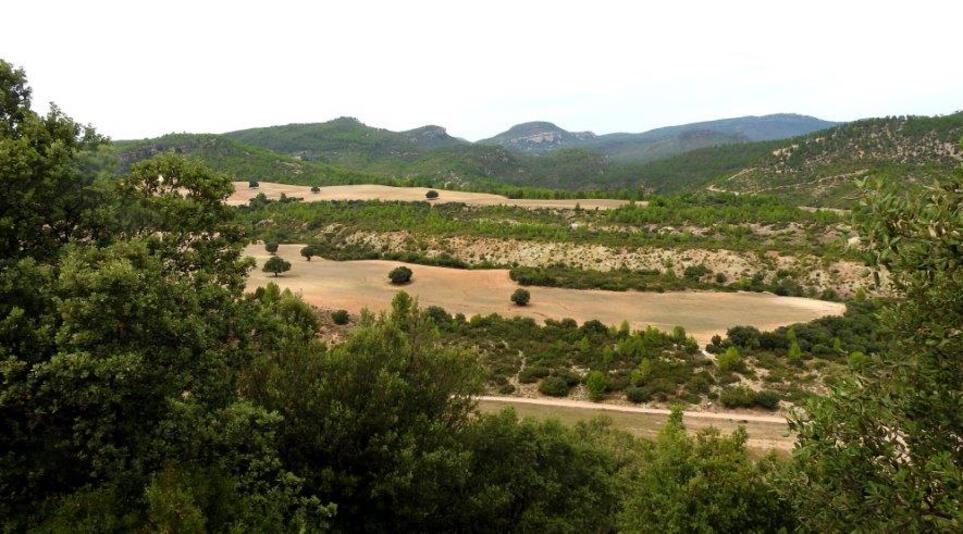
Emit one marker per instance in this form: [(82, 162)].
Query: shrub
[(315, 189), (431, 194), (271, 247), (340, 317), (400, 275), (737, 397), (309, 251), (695, 272), (276, 265), (554, 386), (721, 278), (746, 337), (795, 353), (636, 394), (766, 399), (731, 360), (521, 297), (530, 375), (506, 389), (596, 383), (570, 377), (253, 183), (858, 360)]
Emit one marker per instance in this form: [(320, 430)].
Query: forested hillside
[(821, 168)]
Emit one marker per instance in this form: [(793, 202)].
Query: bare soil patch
[(243, 193), (353, 285)]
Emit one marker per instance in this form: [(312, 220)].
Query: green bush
[(431, 195), (315, 189), (731, 360), (340, 317), (271, 247), (530, 375), (400, 275), (554, 386), (597, 384), (766, 399), (636, 394), (253, 183), (521, 297), (737, 397), (695, 272)]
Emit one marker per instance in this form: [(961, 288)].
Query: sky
[(142, 69)]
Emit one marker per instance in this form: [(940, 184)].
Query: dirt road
[(765, 433)]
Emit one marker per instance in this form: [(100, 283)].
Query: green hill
[(821, 168), (243, 162)]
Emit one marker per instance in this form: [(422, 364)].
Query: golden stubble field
[(353, 285), (243, 193)]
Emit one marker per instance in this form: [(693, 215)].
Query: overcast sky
[(141, 69)]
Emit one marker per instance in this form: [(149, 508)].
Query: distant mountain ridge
[(818, 168), (542, 137)]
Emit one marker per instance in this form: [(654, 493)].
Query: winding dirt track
[(353, 285), (765, 432), (243, 193), (582, 405)]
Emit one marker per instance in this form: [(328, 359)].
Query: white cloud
[(142, 69)]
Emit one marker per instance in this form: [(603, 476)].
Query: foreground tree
[(884, 451), (706, 483)]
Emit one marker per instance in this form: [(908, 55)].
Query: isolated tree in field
[(271, 247), (253, 184), (521, 297), (277, 265), (309, 251), (315, 189), (400, 275), (431, 195)]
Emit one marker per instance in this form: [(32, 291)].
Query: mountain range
[(808, 159)]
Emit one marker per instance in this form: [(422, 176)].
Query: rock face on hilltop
[(538, 137), (431, 137)]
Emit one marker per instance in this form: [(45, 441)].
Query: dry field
[(353, 285), (243, 193), (765, 432)]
